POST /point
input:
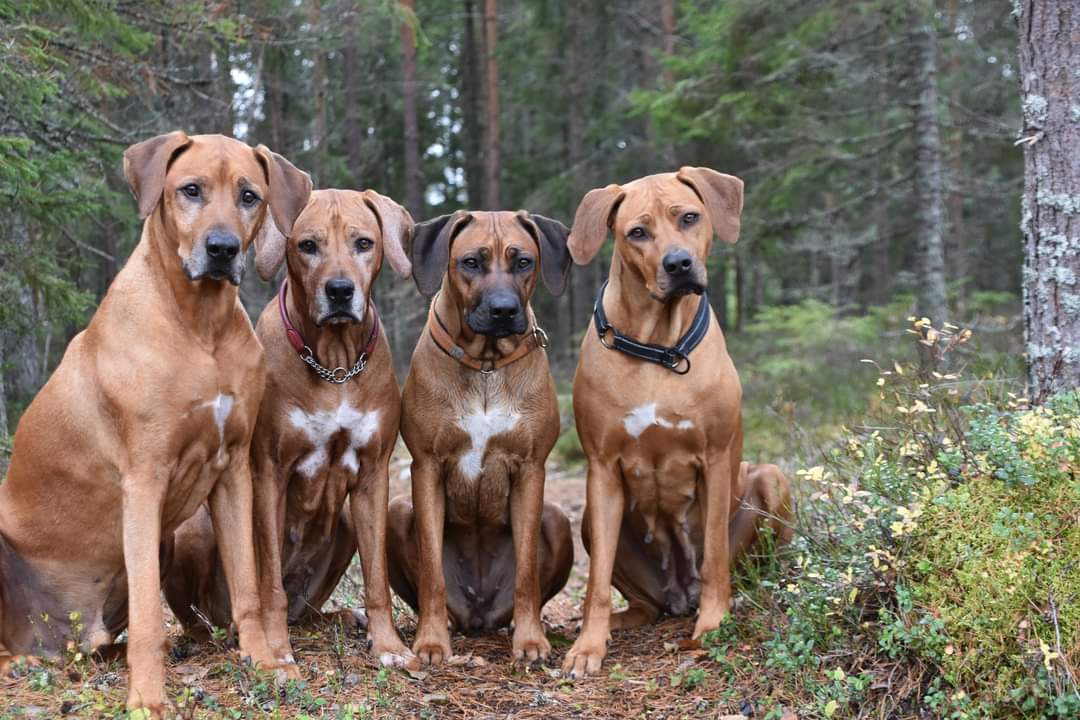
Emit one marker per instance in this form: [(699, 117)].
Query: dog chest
[(331, 437)]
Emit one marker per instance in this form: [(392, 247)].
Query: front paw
[(394, 654), (530, 644), (432, 646), (584, 658), (707, 622)]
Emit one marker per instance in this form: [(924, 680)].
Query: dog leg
[(432, 641), (231, 507), (269, 521), (556, 551), (604, 508), (715, 567), (526, 510), (766, 501), (369, 522), (143, 496)]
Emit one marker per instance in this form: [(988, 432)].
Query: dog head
[(663, 226), (213, 195), (491, 261), (336, 249)]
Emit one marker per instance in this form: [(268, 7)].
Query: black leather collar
[(676, 359)]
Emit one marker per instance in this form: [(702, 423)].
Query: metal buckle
[(541, 336), (674, 360), (602, 332), (339, 375)]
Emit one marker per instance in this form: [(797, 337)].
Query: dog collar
[(339, 375), (676, 358), (443, 340)]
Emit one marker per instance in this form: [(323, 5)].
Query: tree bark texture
[(491, 130), (1050, 222), (413, 181)]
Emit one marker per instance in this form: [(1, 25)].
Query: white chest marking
[(221, 406), (322, 425), (481, 427), (644, 416)]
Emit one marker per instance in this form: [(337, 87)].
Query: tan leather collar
[(534, 338)]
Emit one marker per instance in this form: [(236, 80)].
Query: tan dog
[(663, 515), (149, 415), (480, 416), (322, 436)]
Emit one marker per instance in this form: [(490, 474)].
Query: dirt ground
[(653, 672)]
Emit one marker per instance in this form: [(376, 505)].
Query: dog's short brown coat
[(149, 414), (476, 542), (665, 510)]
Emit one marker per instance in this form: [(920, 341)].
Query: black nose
[(503, 306), (222, 246), (678, 262), (340, 290)]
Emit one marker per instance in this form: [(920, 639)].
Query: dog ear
[(145, 165), (269, 248), (430, 249), (550, 236), (723, 198), (592, 221), (397, 226), (290, 188)]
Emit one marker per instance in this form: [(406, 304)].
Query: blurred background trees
[(876, 138)]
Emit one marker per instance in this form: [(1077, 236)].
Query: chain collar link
[(337, 376)]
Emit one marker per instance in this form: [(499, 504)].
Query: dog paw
[(137, 710), (287, 669), (394, 654), (432, 648), (707, 623), (530, 645), (583, 659)]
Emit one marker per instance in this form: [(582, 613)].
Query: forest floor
[(653, 672)]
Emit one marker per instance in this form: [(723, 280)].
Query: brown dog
[(149, 414), (323, 435), (480, 416), (664, 438)]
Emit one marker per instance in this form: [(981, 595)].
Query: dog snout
[(222, 246), (678, 262), (504, 306), (340, 291)]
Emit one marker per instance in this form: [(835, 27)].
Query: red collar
[(308, 355)]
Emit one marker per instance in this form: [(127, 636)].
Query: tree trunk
[(491, 129), (471, 110), (318, 91), (667, 22), (354, 130), (1050, 96), (413, 181), (928, 178)]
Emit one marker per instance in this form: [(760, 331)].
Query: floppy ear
[(145, 165), (269, 248), (397, 225), (550, 236), (290, 188), (722, 195), (430, 250), (592, 221)]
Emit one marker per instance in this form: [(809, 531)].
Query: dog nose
[(504, 306), (678, 262), (340, 290), (222, 246)]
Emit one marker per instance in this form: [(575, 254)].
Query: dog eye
[(308, 246), (191, 190), (637, 233), (689, 219), (471, 263), (363, 244), (248, 198), (524, 263)]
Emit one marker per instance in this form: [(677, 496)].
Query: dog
[(657, 406), (325, 431), (479, 416), (149, 414)]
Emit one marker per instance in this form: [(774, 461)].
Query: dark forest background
[(876, 139)]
